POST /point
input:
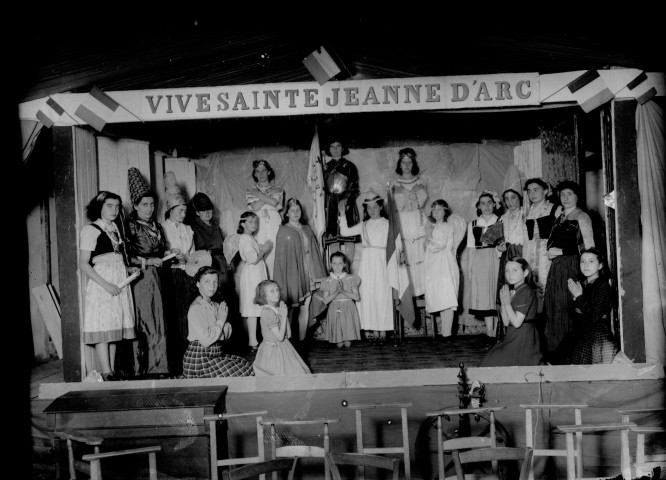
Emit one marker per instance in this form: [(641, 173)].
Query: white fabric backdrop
[(651, 181), (454, 172)]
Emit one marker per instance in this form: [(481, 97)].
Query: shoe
[(109, 377), (254, 348), (442, 339)]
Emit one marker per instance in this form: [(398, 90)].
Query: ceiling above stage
[(188, 47)]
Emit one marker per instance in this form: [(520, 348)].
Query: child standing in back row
[(276, 355), (340, 294)]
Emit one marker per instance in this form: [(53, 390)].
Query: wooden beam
[(628, 230), (65, 203)]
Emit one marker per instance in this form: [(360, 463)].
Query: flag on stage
[(316, 187), (590, 91), (397, 272), (97, 110), (48, 116), (642, 88)]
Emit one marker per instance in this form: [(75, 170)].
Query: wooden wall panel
[(628, 229)]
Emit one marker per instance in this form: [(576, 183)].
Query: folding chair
[(300, 450), (644, 463), (493, 454), (362, 460), (275, 466), (553, 452), (571, 430), (404, 449), (215, 463)]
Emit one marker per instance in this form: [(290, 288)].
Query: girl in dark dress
[(520, 346), (147, 247), (591, 340)]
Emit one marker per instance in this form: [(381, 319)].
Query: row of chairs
[(462, 450)]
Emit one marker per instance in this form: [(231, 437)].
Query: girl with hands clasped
[(253, 271), (276, 355), (520, 346), (340, 293), (591, 340), (208, 328)]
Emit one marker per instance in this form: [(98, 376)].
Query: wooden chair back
[(362, 460), (403, 449), (212, 421), (95, 460), (494, 454), (276, 466), (530, 426)]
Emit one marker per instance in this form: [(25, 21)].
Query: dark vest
[(477, 231), (104, 246), (545, 225)]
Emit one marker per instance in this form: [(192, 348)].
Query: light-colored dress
[(376, 304), (483, 269), (409, 205), (253, 272), (538, 224), (276, 357), (106, 318), (342, 320), (269, 219), (442, 273)]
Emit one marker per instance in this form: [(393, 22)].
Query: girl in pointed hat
[(180, 240), (147, 246)]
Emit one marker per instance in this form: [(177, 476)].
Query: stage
[(370, 374)]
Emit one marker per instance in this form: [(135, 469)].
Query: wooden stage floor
[(412, 353)]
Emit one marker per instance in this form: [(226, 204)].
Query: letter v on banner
[(590, 91), (97, 109)]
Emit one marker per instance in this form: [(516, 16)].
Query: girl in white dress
[(442, 274), (376, 304), (266, 200), (410, 194), (253, 272)]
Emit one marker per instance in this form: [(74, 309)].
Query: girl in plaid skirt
[(207, 328)]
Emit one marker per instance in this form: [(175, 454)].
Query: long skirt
[(558, 301), (483, 268), (210, 362), (108, 318)]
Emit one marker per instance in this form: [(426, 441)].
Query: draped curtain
[(651, 181)]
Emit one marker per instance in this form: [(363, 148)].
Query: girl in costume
[(571, 234), (265, 199), (410, 194), (147, 247), (376, 304), (483, 263), (520, 346), (253, 271), (276, 355), (539, 220), (442, 273), (591, 339), (208, 328), (340, 293), (109, 310)]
